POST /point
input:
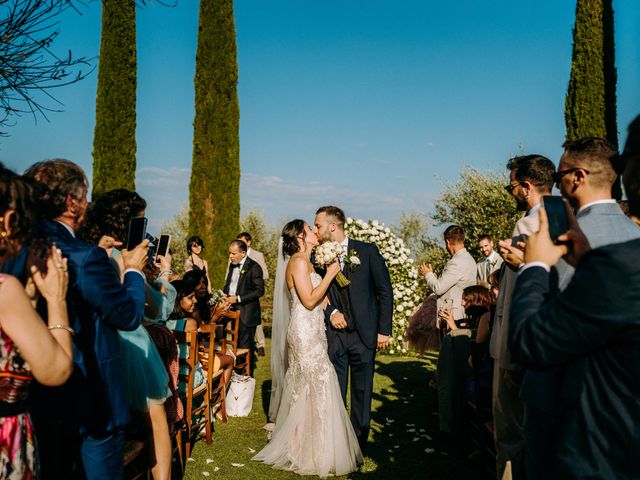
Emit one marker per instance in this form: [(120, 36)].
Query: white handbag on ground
[(239, 400)]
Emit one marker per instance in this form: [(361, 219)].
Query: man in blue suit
[(358, 319), (590, 332), (585, 176), (87, 414)]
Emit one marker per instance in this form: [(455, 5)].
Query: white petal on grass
[(190, 459), (215, 469), (205, 474), (429, 450), (415, 439), (251, 450), (411, 430), (237, 465), (209, 460)]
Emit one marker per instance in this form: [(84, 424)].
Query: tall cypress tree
[(114, 142), (590, 105), (214, 195)]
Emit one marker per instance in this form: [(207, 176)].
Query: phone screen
[(137, 231), (163, 245), (556, 215)]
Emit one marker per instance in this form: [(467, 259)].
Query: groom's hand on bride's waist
[(383, 341), (337, 320)]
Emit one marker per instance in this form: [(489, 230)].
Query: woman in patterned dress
[(29, 348)]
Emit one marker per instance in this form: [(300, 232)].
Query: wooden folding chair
[(215, 379), (196, 417), (242, 355)]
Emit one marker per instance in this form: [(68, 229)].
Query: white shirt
[(235, 277), (345, 245)]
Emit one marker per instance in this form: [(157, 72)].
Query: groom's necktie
[(343, 294)]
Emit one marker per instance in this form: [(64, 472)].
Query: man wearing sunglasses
[(530, 178), (585, 177)]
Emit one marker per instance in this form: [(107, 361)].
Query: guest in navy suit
[(88, 414), (590, 332)]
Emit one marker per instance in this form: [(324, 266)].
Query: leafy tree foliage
[(114, 143), (214, 195), (479, 204), (264, 237), (178, 228)]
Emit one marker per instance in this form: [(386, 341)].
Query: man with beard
[(531, 177)]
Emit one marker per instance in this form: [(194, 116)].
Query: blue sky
[(368, 105)]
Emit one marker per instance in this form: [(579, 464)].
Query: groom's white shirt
[(345, 244)]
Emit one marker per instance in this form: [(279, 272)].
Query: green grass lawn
[(404, 441)]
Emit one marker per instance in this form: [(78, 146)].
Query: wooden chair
[(196, 417), (215, 379), (242, 355), (135, 460)]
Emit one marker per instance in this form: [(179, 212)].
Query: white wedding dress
[(313, 434)]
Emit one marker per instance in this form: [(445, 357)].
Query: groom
[(358, 318)]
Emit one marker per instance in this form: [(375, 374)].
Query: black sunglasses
[(557, 176), (509, 188)]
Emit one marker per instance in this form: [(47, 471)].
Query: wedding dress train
[(313, 434)]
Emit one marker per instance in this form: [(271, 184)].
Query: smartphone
[(163, 245), (556, 215), (137, 232)]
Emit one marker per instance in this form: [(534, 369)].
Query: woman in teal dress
[(146, 376), (181, 319)]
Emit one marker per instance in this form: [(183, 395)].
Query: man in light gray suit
[(585, 177), (257, 257), (530, 178), (458, 274)]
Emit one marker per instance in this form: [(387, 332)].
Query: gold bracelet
[(59, 326)]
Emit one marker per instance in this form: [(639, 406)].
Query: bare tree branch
[(29, 69)]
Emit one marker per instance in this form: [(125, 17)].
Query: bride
[(312, 434)]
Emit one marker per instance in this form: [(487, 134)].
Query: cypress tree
[(590, 105), (114, 142), (214, 196)]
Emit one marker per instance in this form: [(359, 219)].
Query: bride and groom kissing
[(332, 332)]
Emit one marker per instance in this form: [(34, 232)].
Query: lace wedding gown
[(313, 434)]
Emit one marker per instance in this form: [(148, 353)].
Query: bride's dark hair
[(290, 234)]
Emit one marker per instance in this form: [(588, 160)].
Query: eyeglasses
[(557, 176), (509, 188)]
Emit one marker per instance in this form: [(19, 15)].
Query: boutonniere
[(352, 259), (243, 271)]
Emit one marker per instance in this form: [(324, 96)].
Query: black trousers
[(356, 359)]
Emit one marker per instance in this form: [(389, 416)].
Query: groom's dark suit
[(367, 304)]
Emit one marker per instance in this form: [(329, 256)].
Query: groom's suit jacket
[(370, 297), (95, 397)]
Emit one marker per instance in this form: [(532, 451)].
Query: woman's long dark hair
[(110, 215), (18, 194), (479, 300), (290, 234), (184, 288)]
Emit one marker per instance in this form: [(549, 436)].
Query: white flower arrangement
[(403, 273)]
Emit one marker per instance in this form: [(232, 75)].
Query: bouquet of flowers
[(328, 253), (216, 298)]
